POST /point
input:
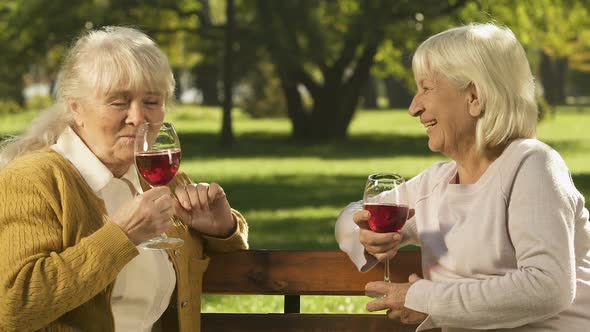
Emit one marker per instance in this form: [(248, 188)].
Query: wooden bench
[(294, 273)]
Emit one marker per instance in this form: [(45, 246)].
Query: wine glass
[(157, 158), (386, 199)]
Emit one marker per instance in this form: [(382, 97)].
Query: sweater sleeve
[(40, 280), (347, 236), (541, 209), (237, 241)]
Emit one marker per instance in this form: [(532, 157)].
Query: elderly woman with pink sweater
[(504, 232)]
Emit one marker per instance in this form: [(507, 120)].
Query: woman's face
[(445, 113), (107, 123)]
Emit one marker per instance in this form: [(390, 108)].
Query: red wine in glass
[(157, 158), (386, 218), (385, 198), (158, 167)]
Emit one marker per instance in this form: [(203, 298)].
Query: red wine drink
[(158, 167), (157, 159), (385, 197), (386, 218)]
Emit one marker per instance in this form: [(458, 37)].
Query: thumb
[(215, 192), (184, 215), (413, 278)]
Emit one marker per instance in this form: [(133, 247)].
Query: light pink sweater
[(511, 251)]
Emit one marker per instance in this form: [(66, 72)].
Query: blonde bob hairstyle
[(100, 61), (491, 58)]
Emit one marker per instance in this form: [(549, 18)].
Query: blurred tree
[(227, 137), (326, 48), (556, 33)]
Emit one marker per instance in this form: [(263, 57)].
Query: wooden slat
[(293, 272), (300, 323)]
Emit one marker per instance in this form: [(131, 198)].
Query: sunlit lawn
[(291, 193)]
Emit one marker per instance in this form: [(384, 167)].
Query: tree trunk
[(398, 94), (206, 79), (370, 93), (295, 108), (178, 90), (553, 76), (336, 102), (227, 136)]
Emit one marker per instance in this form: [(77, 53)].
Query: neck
[(117, 170), (472, 165)]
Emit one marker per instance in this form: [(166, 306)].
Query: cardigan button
[(184, 304), (177, 252)]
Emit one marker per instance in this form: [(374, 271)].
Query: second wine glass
[(157, 158), (385, 197)]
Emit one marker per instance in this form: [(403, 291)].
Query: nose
[(135, 115), (416, 107)]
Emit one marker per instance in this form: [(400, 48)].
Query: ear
[(475, 107), (76, 108)]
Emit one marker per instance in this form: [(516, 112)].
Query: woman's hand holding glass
[(204, 207), (147, 215), (382, 246)]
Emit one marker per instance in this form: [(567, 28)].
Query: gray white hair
[(99, 62), (492, 59)]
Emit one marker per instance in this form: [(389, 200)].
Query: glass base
[(161, 243)]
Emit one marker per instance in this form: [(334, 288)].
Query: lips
[(429, 123)]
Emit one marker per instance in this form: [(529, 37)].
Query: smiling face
[(107, 123), (449, 115)]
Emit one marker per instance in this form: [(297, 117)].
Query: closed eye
[(118, 103), (153, 102)]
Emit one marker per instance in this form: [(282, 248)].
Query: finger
[(409, 316), (394, 314), (193, 195), (382, 257), (413, 278), (361, 218), (167, 213), (202, 195), (388, 240), (164, 203), (215, 192), (377, 305), (183, 198), (156, 192), (386, 251), (379, 287), (181, 213)]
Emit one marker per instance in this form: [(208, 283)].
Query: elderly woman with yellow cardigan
[(73, 209)]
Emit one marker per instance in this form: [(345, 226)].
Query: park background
[(291, 104)]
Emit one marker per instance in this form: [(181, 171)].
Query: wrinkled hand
[(204, 207), (394, 300), (382, 246), (147, 215)]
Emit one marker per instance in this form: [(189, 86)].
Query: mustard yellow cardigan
[(60, 253)]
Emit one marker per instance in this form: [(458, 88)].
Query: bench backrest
[(292, 273)]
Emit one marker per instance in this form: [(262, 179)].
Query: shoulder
[(534, 153), (38, 166), (532, 163)]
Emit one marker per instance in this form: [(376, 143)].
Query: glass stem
[(386, 276)]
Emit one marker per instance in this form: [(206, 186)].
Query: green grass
[(291, 193)]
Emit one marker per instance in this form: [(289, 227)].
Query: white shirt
[(511, 251), (144, 287)]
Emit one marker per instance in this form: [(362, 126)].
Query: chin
[(433, 146)]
